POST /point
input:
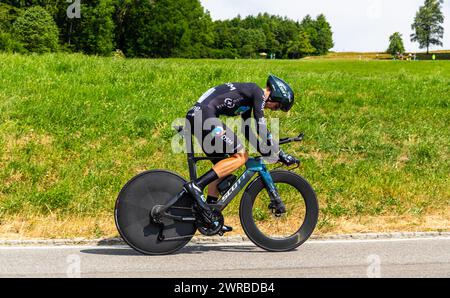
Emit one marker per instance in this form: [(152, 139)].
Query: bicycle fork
[(276, 204)]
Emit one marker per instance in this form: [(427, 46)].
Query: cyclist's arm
[(246, 128), (261, 124), (246, 131)]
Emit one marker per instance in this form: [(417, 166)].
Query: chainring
[(212, 229)]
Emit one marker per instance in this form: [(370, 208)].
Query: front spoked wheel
[(280, 233)]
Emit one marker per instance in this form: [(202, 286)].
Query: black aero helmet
[(281, 92)]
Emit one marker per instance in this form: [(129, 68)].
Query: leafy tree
[(427, 25), (223, 37), (8, 15), (283, 37), (51, 6), (396, 44), (300, 46), (253, 41), (36, 30), (179, 28), (323, 41), (167, 28), (319, 32), (308, 25), (287, 30), (26, 3), (93, 33)]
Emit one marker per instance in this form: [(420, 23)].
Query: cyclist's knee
[(241, 156)]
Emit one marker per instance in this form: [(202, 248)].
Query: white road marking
[(341, 241)]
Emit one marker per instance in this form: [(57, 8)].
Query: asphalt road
[(346, 258)]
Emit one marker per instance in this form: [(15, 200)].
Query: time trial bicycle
[(155, 216)]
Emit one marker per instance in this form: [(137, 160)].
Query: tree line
[(156, 29)]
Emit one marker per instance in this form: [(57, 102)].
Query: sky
[(358, 25)]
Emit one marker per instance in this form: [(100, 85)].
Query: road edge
[(217, 240)]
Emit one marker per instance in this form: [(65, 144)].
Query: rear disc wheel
[(135, 203)]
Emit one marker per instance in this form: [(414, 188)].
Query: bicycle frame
[(253, 166)]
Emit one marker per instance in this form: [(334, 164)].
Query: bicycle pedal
[(225, 229)]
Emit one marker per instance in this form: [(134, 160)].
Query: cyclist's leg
[(194, 121), (228, 166), (224, 168), (195, 118), (213, 191), (230, 149), (216, 139)]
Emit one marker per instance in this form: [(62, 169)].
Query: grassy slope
[(74, 129)]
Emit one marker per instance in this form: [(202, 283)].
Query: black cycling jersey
[(233, 99)]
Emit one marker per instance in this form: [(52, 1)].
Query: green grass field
[(74, 129)]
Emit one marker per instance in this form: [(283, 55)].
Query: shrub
[(36, 30), (8, 15), (10, 44)]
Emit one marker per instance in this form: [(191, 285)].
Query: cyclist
[(233, 99)]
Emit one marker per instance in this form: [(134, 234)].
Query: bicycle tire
[(306, 229), (133, 207)]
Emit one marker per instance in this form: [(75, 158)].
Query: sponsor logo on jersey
[(195, 109), (227, 140), (242, 110), (232, 88), (229, 103), (218, 131)]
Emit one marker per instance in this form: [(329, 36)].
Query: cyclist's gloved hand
[(287, 159)]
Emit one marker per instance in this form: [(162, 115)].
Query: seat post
[(192, 163), (192, 166)]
